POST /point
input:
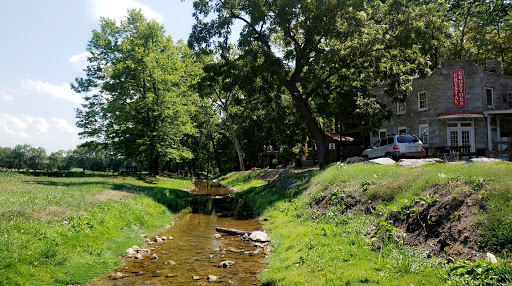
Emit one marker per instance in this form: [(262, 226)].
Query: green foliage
[(480, 272), (333, 249), (138, 95), (309, 48), (480, 30)]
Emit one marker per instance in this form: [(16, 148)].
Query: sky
[(42, 50)]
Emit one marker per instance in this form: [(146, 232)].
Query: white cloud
[(79, 61), (53, 134), (5, 96), (62, 91), (12, 127), (117, 9)]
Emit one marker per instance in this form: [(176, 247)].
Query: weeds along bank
[(365, 224), (60, 231)]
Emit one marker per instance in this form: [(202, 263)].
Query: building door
[(461, 134)]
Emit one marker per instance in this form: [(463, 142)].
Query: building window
[(382, 133), (423, 132), (490, 97), (400, 108), (422, 100), (332, 146), (402, 130), (509, 98)]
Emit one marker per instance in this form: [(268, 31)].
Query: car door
[(377, 149)]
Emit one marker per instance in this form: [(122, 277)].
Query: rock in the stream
[(213, 278), (138, 256), (226, 264), (130, 252), (158, 239), (154, 257), (117, 275), (257, 251), (164, 238), (196, 278), (259, 236), (143, 251), (218, 235), (169, 262)]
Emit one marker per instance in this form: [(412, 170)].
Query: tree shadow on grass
[(67, 174), (263, 197), (174, 199)]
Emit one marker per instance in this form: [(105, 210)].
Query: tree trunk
[(153, 157), (215, 153), (235, 140), (311, 123)]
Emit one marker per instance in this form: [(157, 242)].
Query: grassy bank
[(346, 225), (60, 231)]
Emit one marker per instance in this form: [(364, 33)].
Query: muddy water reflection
[(196, 252)]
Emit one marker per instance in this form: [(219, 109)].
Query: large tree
[(482, 31), (317, 49), (137, 91)]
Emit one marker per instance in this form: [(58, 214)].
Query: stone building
[(458, 104)]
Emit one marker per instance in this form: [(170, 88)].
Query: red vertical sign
[(458, 88)]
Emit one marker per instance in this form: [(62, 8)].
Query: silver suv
[(396, 147)]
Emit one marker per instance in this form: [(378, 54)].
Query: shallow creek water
[(195, 249)]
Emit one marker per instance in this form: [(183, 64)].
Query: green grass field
[(334, 248), (60, 231)]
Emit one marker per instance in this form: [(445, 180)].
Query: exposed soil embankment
[(441, 221)]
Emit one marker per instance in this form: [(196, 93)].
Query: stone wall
[(439, 98)]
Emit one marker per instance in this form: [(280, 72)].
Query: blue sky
[(43, 50)]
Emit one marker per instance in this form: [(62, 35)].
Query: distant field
[(346, 225), (60, 231)]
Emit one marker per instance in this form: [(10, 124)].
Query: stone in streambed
[(259, 236), (226, 264), (117, 275)]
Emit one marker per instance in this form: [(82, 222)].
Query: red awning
[(460, 115)]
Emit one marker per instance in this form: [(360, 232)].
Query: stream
[(194, 253)]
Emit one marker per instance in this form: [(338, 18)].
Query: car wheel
[(390, 156)]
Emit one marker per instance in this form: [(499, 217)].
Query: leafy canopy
[(137, 89)]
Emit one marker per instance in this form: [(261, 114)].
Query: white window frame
[(398, 111), (423, 136), (492, 97), (420, 101), (402, 128), (332, 146), (385, 133)]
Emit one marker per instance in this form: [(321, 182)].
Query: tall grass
[(334, 249), (60, 231)]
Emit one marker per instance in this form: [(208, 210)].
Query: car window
[(376, 144), (407, 139), (383, 142), (391, 140)]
